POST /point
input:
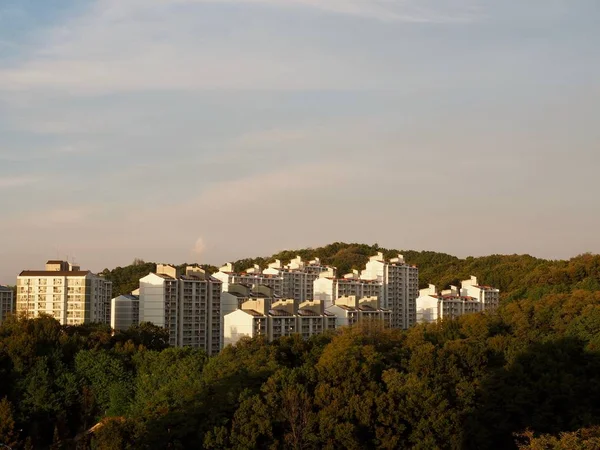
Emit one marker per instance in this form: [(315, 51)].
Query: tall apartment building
[(64, 291), (125, 312), (454, 302), (7, 302), (187, 305), (399, 287), (273, 320)]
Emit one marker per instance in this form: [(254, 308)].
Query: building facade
[(187, 305), (125, 312), (399, 287), (293, 280), (455, 302), (64, 291), (277, 319), (7, 302), (352, 310)]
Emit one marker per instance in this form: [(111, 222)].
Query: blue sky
[(209, 130)]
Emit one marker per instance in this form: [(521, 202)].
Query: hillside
[(517, 276)]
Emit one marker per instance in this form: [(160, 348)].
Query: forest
[(527, 376), (524, 377)]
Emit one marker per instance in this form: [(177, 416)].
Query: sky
[(211, 130)]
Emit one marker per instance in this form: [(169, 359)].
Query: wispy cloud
[(133, 45)]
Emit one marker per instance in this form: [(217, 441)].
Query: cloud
[(134, 45), (199, 247)]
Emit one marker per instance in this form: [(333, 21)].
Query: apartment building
[(125, 312), (298, 277), (7, 302), (455, 302), (186, 304), (64, 291), (488, 296), (293, 280), (399, 287), (276, 319), (252, 276), (328, 289), (351, 310), (238, 294)]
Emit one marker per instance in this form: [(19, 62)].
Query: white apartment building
[(64, 291), (277, 319), (251, 276), (488, 296), (6, 302), (237, 294), (351, 310), (328, 289), (125, 312), (298, 277), (294, 280), (399, 287), (455, 302), (187, 305)]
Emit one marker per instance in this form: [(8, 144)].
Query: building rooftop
[(347, 308), (56, 273), (130, 296), (366, 308), (5, 288), (308, 312), (162, 275), (280, 313), (252, 312)]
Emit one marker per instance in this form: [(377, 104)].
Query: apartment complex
[(7, 302), (293, 280), (455, 302), (393, 282), (261, 317), (186, 304), (125, 312), (64, 291), (352, 310)]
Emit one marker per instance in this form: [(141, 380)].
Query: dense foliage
[(479, 382)]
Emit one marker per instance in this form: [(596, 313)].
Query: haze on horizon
[(211, 130)]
